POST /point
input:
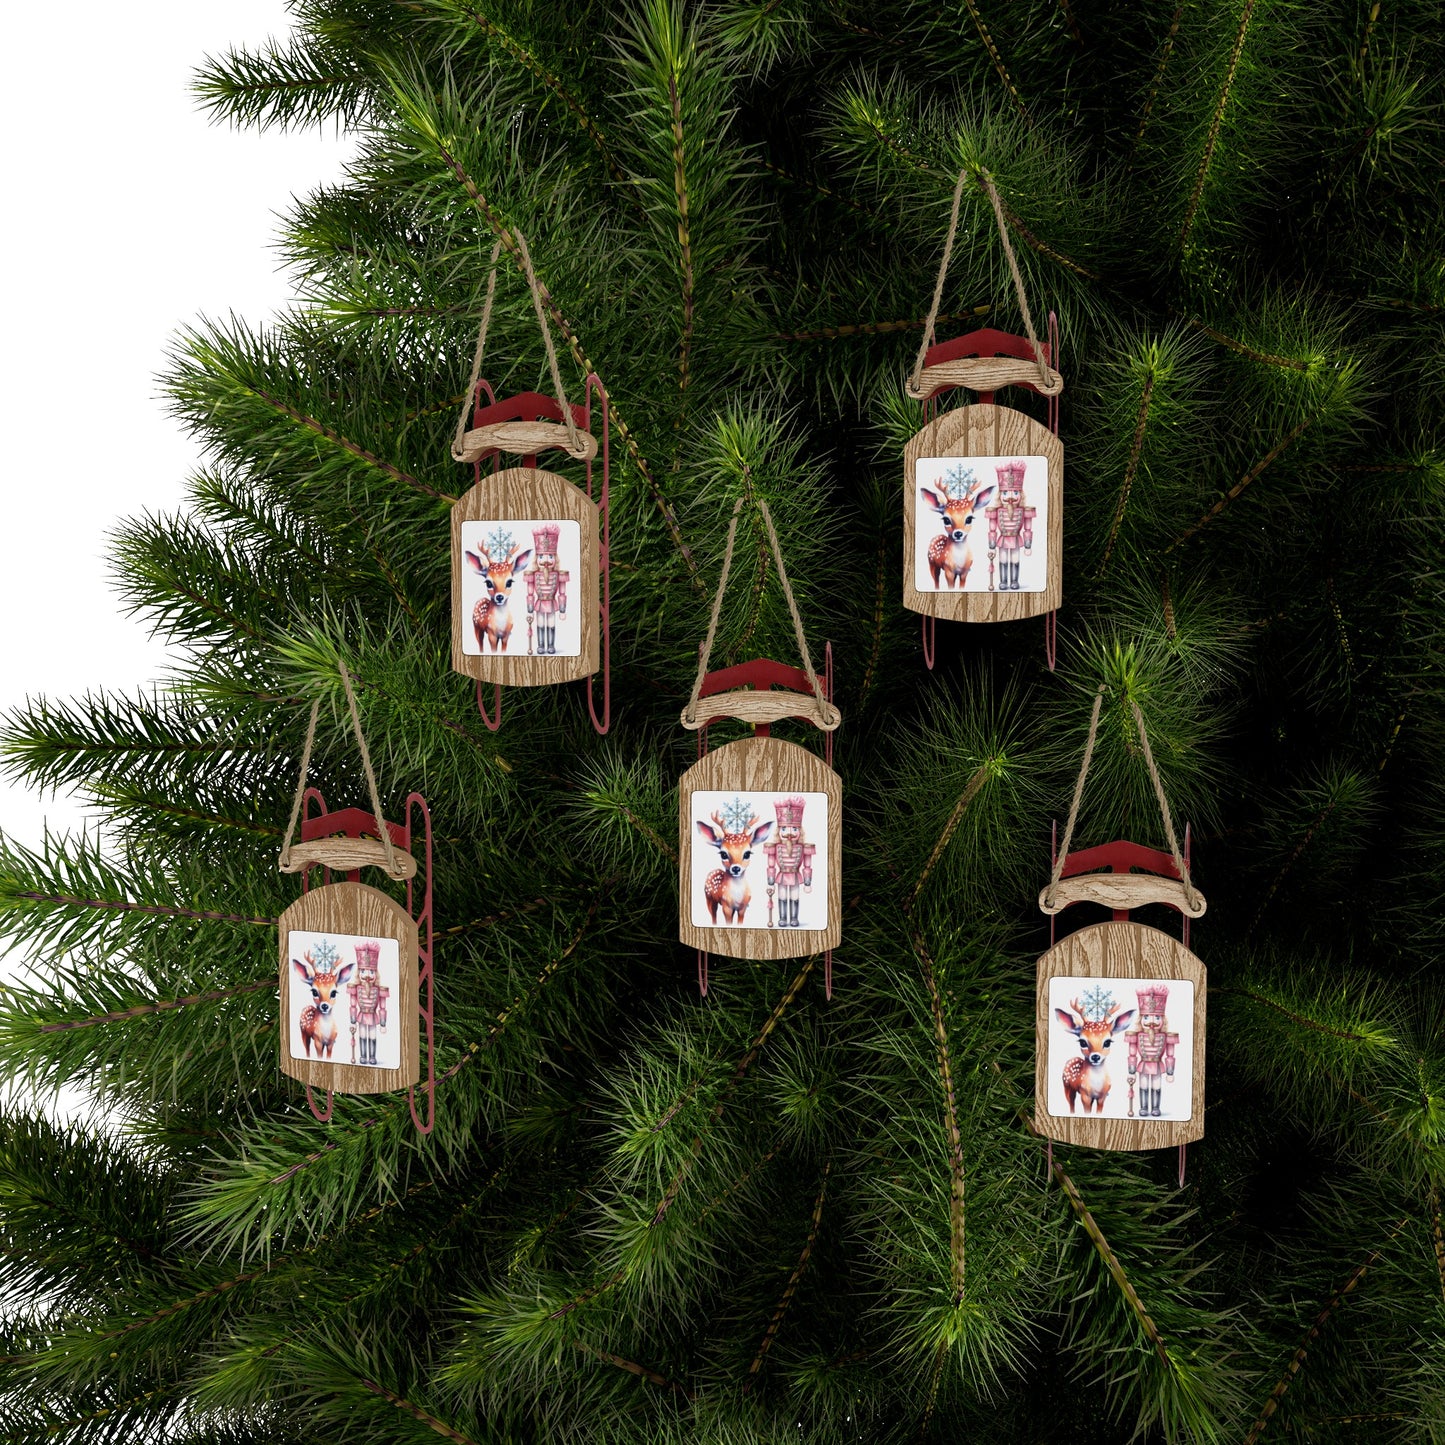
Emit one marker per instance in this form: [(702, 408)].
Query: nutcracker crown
[(544, 538), (790, 812), (1011, 476), (1153, 1000), (366, 956)]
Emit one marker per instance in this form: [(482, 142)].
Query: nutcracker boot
[(1013, 575)]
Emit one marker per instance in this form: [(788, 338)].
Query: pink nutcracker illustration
[(790, 862), (1010, 527), (368, 1003), (1151, 1051), (546, 589)]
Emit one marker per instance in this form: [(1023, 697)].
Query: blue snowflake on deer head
[(500, 544), (738, 816), (957, 482), (324, 954), (1098, 1004)]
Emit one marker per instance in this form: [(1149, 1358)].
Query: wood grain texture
[(986, 373), (521, 438), (360, 910), (753, 706), (342, 855), (1118, 950), (515, 494), (761, 765), (1120, 890), (986, 431)]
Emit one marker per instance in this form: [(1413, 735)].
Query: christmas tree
[(645, 1216)]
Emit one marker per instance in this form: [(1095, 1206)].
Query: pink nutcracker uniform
[(546, 587), (368, 1004), (790, 861), (1151, 1050), (1010, 525)]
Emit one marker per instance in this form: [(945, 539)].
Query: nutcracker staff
[(368, 1003), (1151, 1049), (790, 860), (546, 587), (1010, 525)]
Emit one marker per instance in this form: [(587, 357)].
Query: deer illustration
[(500, 563), (1096, 1023), (958, 499), (319, 1022), (734, 837)]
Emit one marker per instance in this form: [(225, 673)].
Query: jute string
[(576, 445), (395, 864), (1191, 895), (1049, 382), (827, 716)]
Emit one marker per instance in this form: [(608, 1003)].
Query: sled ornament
[(1104, 978), (760, 822), (530, 552), (356, 983), (1120, 1006), (983, 483)]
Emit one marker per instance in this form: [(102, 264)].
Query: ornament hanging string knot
[(982, 373), (1193, 900), (524, 438), (343, 854), (759, 706)]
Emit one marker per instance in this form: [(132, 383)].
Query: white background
[(1176, 1098), (1033, 569), (129, 215), (569, 560), (812, 907), (388, 973)]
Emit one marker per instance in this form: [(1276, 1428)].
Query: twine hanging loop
[(1194, 902), (521, 437), (760, 706), (343, 854), (984, 373)]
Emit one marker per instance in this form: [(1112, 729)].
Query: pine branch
[(684, 239), (416, 1412), (997, 60), (1111, 1262), (956, 1216), (1128, 483), (780, 1311), (1297, 1361), (971, 789), (160, 1007), (641, 1371), (1211, 139), (1250, 477), (551, 82)]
